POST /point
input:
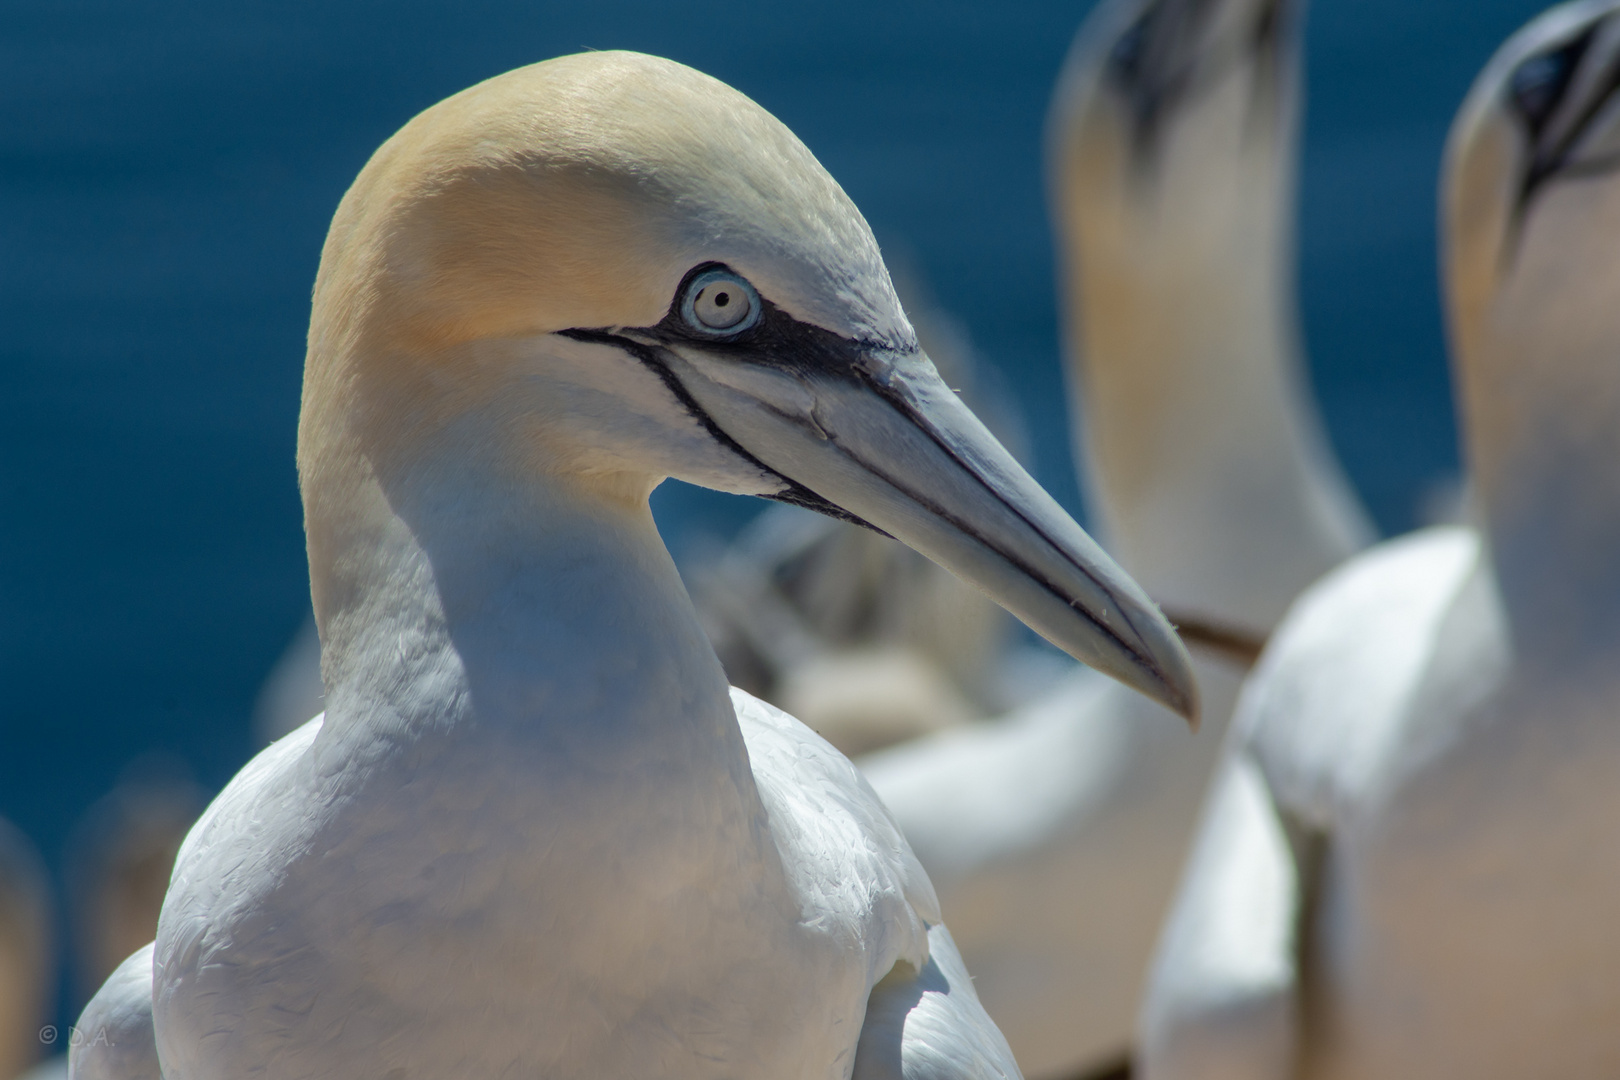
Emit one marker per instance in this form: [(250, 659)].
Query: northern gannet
[(861, 638), (533, 832), (1408, 865), (1056, 838), (27, 959)]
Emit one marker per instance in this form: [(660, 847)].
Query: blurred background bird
[(120, 859), (1058, 835), (27, 952), (1408, 864)]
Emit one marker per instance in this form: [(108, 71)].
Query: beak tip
[(1191, 712), (1177, 685), (1181, 697)]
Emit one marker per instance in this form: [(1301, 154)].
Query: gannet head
[(1531, 207), (1171, 180), (1529, 170), (610, 269), (1193, 94)]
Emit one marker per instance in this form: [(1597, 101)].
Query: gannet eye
[(1126, 55), (1539, 83), (719, 302)]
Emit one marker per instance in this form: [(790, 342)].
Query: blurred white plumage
[(1408, 865), (1056, 836)]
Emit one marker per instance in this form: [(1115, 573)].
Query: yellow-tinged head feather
[(571, 193), (576, 192)]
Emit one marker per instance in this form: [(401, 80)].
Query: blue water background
[(167, 172)]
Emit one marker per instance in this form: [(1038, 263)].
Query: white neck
[(455, 594), (1207, 471)]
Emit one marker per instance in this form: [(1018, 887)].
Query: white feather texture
[(113, 1040), (1408, 864)]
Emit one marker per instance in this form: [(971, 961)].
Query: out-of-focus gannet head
[(1532, 209), (1171, 139), (1172, 148), (607, 269), (1151, 83)]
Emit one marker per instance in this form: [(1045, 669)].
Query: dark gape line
[(799, 346), (792, 491), (780, 341)]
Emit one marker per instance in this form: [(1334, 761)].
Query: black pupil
[(722, 299)]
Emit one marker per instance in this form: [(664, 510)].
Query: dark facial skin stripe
[(778, 340), (792, 491)]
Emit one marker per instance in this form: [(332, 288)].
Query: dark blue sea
[(167, 171)]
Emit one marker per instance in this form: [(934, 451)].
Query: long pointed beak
[(885, 440)]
